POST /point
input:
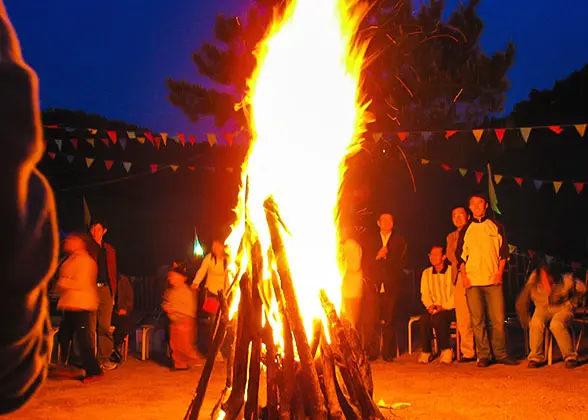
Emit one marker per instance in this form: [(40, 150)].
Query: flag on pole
[(492, 193), (87, 216)]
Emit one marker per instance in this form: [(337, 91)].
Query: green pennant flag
[(87, 216), (492, 193)]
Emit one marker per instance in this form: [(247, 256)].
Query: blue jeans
[(487, 303), (559, 322)]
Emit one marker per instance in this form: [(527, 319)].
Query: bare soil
[(146, 390)]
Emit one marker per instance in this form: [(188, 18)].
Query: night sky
[(112, 57)]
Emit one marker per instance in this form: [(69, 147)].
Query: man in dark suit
[(384, 259)]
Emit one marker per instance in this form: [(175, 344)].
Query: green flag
[(492, 192), (87, 216)]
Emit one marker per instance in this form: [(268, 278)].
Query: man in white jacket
[(437, 295)]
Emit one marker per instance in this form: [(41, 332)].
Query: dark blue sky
[(112, 57)]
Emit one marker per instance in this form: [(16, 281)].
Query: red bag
[(211, 305)]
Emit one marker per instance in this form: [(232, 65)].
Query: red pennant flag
[(149, 137), (112, 135), (108, 164), (479, 176), (531, 253), (74, 142), (519, 181), (500, 133), (450, 133), (51, 155), (579, 186), (191, 168), (446, 167), (192, 140), (105, 141), (182, 138), (153, 168), (402, 135), (555, 128), (575, 265), (157, 142), (51, 126), (230, 137)]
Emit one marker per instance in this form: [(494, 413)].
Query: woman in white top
[(214, 268)]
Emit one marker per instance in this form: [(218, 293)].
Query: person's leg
[(123, 327), (495, 308), (537, 335), (81, 321), (426, 332), (176, 339), (476, 304), (105, 342), (389, 328), (560, 327), (66, 332), (92, 327), (464, 321), (370, 320), (441, 322)]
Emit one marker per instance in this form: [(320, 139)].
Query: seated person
[(554, 301), (438, 298)]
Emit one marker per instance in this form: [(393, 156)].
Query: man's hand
[(122, 311), (497, 280), (382, 253), (466, 281)]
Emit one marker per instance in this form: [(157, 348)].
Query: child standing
[(179, 302)]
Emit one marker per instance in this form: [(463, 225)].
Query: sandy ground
[(145, 390)]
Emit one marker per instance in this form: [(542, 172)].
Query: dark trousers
[(100, 323), (78, 323), (123, 326), (439, 322), (378, 307)]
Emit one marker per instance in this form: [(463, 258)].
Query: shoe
[(507, 361), (116, 356), (467, 359), (483, 362), (446, 356), (424, 358), (534, 364), (93, 378), (108, 365), (572, 363), (179, 369)]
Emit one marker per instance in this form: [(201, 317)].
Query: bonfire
[(292, 356)]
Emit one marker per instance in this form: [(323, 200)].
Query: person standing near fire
[(384, 260), (352, 284), (214, 269)]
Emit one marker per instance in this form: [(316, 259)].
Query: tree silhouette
[(424, 73)]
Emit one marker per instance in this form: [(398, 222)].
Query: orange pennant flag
[(446, 167), (141, 139), (556, 129), (525, 132), (557, 186), (579, 186), (105, 141), (377, 137), (519, 181), (74, 142), (425, 161), (174, 167), (499, 133), (478, 134), (153, 168), (581, 129), (497, 178), (91, 142), (164, 138), (479, 176), (108, 164), (449, 133), (92, 130), (402, 135), (89, 162), (112, 135), (230, 137), (211, 139)]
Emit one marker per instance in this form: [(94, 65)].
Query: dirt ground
[(145, 390)]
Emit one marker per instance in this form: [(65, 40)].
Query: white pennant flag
[(59, 143), (127, 166)]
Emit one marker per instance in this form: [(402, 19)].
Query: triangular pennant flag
[(426, 136), (479, 176), (192, 140), (519, 181), (402, 135), (492, 192), (112, 135), (478, 134), (157, 142), (191, 168), (182, 138), (230, 170), (511, 248), (51, 126), (557, 186), (69, 129), (105, 141), (377, 137), (211, 139), (549, 259), (579, 186), (450, 133), (127, 166), (425, 161), (149, 137), (446, 167), (89, 162), (131, 134), (497, 179), (74, 142), (463, 171), (59, 143), (164, 138), (575, 265), (581, 129), (555, 128), (537, 183), (51, 155), (230, 137), (123, 143), (174, 167), (70, 158), (525, 132), (500, 133), (141, 139), (108, 164), (153, 168), (91, 142), (92, 130), (87, 215), (175, 138), (531, 253)]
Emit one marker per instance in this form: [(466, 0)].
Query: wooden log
[(252, 406), (329, 380), (360, 355), (272, 373), (196, 405), (318, 409), (348, 404), (317, 331), (369, 408)]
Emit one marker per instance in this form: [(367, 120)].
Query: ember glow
[(306, 116)]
